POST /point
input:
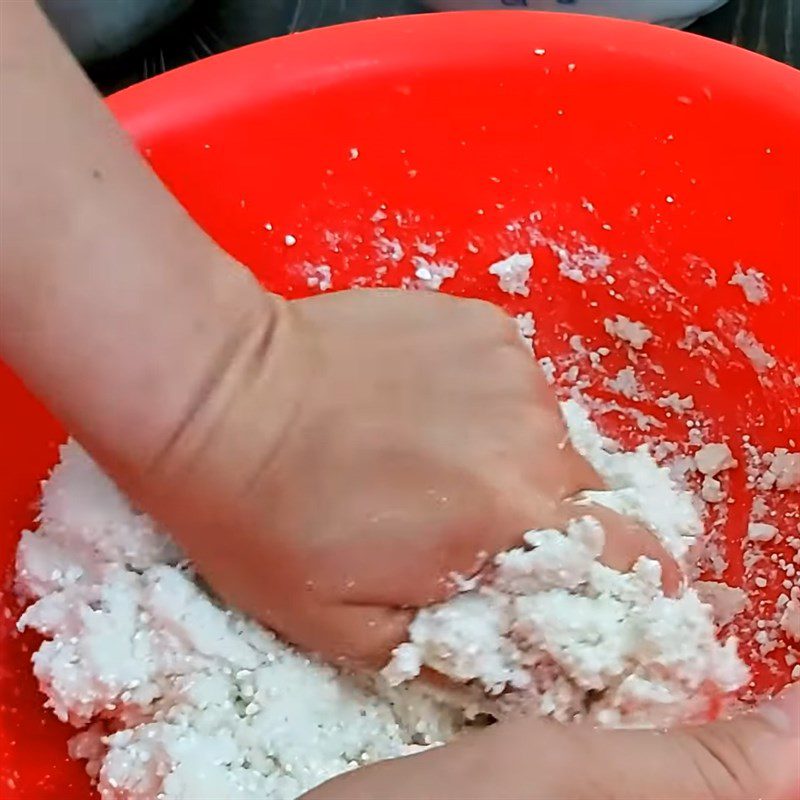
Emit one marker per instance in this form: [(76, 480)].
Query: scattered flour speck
[(580, 263)]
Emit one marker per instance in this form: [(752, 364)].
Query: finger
[(583, 477), (359, 636), (754, 756), (427, 573), (626, 541), (446, 686), (419, 560)]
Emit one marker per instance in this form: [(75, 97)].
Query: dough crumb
[(527, 328), (714, 458), (757, 355), (513, 273), (625, 383), (790, 619), (676, 403), (634, 333), (761, 532), (553, 623), (711, 490), (432, 274), (318, 276), (752, 283), (390, 248), (425, 248), (782, 472), (726, 601), (179, 697), (549, 368)]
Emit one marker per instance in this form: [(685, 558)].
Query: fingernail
[(783, 710)]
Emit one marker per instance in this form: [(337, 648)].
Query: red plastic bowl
[(687, 150)]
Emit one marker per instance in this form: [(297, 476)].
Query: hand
[(755, 756), (326, 463), (348, 452)]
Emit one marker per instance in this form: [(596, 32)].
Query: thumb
[(358, 636), (755, 756)]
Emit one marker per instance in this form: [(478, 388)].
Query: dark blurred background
[(125, 41)]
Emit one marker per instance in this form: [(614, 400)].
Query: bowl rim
[(310, 61)]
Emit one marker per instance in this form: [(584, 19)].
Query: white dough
[(181, 699), (554, 626), (206, 703)]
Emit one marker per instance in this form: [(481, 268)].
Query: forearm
[(113, 303)]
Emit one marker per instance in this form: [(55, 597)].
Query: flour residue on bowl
[(180, 697)]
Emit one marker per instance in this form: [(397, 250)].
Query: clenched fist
[(347, 454)]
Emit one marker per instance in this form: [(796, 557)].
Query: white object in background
[(675, 13)]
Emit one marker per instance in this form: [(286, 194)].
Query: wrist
[(192, 360), (233, 406)]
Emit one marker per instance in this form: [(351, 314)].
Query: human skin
[(327, 463), (755, 756)]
